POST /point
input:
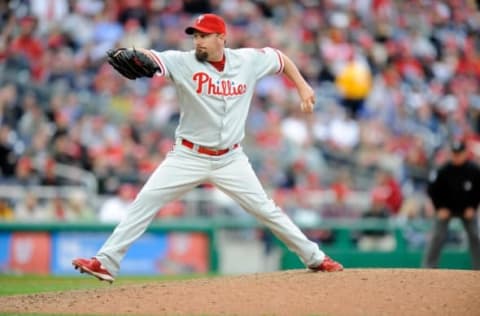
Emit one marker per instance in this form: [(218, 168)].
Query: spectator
[(6, 211), (354, 83), (33, 119), (30, 210), (134, 35), (343, 136), (49, 13), (389, 186), (7, 155), (342, 188), (113, 209), (79, 207), (377, 239), (25, 174), (27, 45), (57, 209), (10, 111), (455, 192), (339, 208), (50, 176), (171, 210)]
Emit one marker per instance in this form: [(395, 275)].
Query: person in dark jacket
[(455, 192)]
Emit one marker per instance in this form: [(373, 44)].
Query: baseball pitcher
[(215, 86)]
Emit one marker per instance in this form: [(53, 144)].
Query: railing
[(87, 185), (193, 201)]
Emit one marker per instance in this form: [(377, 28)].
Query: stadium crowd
[(395, 81)]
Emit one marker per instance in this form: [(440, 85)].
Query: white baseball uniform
[(213, 111)]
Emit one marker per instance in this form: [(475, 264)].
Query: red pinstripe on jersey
[(158, 61), (280, 59)]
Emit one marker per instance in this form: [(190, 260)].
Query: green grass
[(30, 284)]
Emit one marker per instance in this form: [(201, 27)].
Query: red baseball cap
[(208, 23)]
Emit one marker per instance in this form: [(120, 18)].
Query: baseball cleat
[(327, 265), (94, 268)]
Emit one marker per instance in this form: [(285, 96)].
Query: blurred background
[(395, 82)]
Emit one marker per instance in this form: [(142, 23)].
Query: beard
[(201, 56)]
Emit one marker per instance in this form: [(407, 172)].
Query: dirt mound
[(293, 292)]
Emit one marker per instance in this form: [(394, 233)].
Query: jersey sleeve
[(167, 61), (267, 61)]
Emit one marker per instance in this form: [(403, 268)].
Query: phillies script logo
[(221, 88)]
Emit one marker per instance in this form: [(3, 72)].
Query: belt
[(206, 150)]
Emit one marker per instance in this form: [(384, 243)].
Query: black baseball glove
[(132, 63)]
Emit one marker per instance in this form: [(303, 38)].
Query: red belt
[(206, 150)]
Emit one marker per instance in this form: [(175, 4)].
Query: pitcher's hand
[(308, 99)]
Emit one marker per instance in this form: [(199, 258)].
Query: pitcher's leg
[(173, 178), (238, 180), (471, 228), (435, 246)]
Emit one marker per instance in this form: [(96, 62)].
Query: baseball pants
[(184, 169)]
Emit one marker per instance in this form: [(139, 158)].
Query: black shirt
[(455, 187)]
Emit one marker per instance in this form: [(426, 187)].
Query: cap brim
[(190, 30)]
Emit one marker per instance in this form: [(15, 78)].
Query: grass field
[(30, 284)]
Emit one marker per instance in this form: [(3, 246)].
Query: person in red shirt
[(391, 189), (29, 46)]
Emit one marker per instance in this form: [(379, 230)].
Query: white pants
[(181, 171)]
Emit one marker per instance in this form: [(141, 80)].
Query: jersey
[(214, 104)]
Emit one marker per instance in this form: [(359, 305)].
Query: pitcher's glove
[(132, 63)]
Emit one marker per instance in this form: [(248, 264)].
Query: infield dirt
[(292, 292)]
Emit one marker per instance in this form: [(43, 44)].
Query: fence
[(185, 246)]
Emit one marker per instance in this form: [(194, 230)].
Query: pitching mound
[(293, 292)]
